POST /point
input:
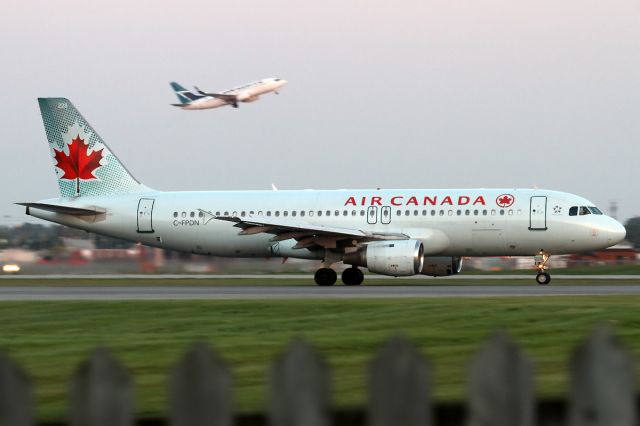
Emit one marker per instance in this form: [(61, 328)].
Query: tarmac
[(288, 292)]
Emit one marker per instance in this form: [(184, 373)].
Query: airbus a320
[(394, 232)]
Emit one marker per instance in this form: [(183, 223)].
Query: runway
[(44, 293)]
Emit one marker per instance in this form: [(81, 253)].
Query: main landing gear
[(325, 276), (328, 277), (543, 277), (352, 276)]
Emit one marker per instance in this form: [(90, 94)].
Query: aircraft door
[(385, 215), (145, 215), (538, 213), (372, 215)]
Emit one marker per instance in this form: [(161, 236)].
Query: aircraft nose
[(616, 232)]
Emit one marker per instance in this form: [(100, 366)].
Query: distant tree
[(633, 231)]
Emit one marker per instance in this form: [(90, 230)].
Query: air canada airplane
[(250, 92), (395, 232)]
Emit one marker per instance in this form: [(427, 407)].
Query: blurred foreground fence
[(500, 390)]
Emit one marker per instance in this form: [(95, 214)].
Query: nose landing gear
[(543, 277)]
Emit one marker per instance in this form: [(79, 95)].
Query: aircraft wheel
[(352, 276), (543, 278), (325, 276)]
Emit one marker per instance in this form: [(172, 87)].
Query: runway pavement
[(300, 292)]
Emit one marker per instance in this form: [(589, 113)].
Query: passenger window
[(441, 212), (301, 213), (353, 212), (493, 212), (328, 212), (398, 213), (501, 212), (251, 212), (573, 211), (459, 212), (319, 212), (510, 212), (268, 212), (184, 214), (243, 214), (467, 212), (450, 212), (293, 213), (200, 214), (345, 213), (519, 212), (361, 212), (415, 212), (217, 213), (407, 212), (277, 213), (310, 212), (175, 214), (226, 213), (433, 212), (584, 211), (285, 213), (337, 213), (484, 212), (260, 213), (235, 214), (475, 212)]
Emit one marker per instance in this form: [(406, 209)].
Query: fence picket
[(501, 385), (602, 383), (101, 392), (16, 397), (400, 386), (300, 388), (200, 390)]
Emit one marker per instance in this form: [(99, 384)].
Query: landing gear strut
[(325, 276), (352, 276), (543, 277)]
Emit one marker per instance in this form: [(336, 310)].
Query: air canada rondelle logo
[(505, 200)]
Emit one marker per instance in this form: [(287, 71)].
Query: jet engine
[(441, 266), (398, 258)]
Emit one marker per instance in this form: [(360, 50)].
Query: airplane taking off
[(390, 232), (250, 92)]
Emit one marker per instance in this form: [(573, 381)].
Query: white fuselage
[(246, 93), (456, 222)]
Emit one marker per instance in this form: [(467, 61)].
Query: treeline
[(51, 237)]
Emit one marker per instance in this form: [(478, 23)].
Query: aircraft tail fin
[(84, 164), (184, 96)]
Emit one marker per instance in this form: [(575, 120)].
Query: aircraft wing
[(222, 96), (306, 234)]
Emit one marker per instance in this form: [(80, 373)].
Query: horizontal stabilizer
[(74, 211)]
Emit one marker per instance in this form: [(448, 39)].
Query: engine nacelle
[(441, 266), (398, 258)]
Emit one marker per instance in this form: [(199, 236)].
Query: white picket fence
[(500, 388)]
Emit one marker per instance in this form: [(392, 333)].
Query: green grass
[(49, 339)]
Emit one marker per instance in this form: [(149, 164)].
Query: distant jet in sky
[(396, 232), (246, 93)]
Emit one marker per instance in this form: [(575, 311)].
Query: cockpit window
[(584, 211), (573, 211), (594, 210)]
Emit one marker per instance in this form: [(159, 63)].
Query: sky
[(402, 94)]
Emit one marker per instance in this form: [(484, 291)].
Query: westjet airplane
[(250, 92), (396, 232)]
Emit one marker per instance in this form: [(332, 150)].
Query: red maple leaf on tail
[(79, 163)]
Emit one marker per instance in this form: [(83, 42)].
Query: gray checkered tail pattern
[(83, 163)]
